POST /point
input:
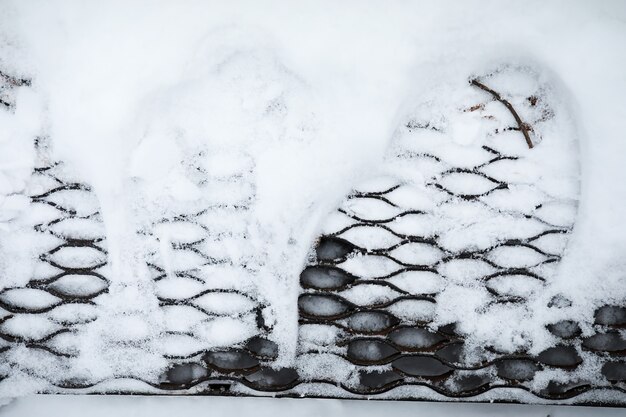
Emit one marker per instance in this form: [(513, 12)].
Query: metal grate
[(386, 346), (70, 271)]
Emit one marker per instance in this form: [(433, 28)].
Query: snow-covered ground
[(208, 144), (261, 407)]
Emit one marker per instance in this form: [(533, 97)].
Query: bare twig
[(523, 127), (13, 81)]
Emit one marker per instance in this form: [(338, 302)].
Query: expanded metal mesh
[(384, 347)]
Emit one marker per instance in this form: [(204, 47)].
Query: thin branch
[(13, 81), (523, 127)]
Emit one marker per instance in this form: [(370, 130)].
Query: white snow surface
[(300, 101), (141, 406)]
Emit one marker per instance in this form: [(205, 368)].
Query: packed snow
[(205, 147)]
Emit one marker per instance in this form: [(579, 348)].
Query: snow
[(146, 406), (269, 116), (413, 311), (416, 282)]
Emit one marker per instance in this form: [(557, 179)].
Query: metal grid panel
[(385, 350)]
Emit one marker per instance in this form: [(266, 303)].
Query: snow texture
[(165, 406), (165, 172)]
